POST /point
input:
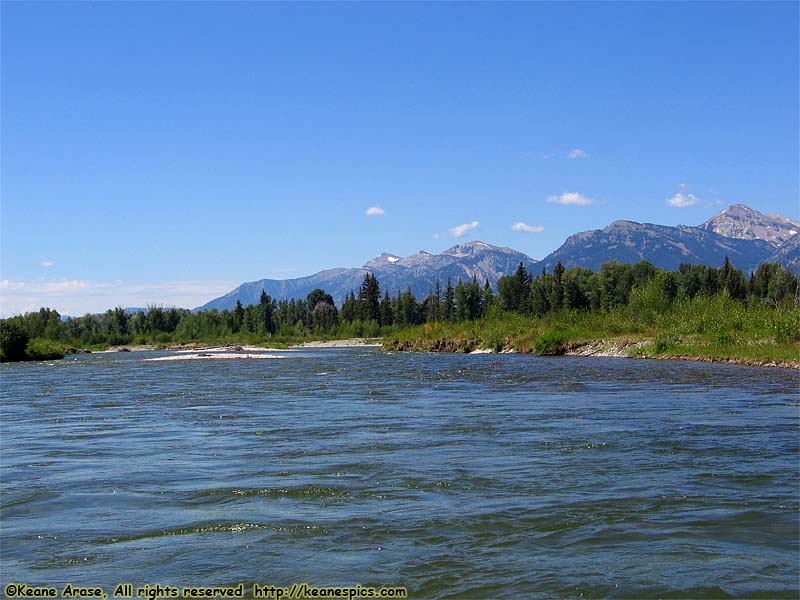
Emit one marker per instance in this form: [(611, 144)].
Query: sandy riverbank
[(201, 347), (351, 343), (212, 356), (191, 347)]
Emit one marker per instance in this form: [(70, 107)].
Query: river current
[(479, 476)]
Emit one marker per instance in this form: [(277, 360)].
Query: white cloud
[(520, 226), (571, 199), (44, 287), (460, 230), (682, 200), (576, 153), (374, 211), (77, 297), (46, 263)]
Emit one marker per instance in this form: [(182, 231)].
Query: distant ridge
[(665, 247), (418, 271), (788, 255), (746, 236)]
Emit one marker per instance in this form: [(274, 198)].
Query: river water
[(478, 476)]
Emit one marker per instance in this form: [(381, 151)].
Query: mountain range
[(418, 272), (746, 236)]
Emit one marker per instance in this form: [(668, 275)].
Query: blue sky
[(157, 152)]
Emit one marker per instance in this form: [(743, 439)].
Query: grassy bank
[(712, 327)]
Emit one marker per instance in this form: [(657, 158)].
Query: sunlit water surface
[(456, 476)]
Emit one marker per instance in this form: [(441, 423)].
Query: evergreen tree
[(539, 299), (461, 301), (449, 302), (488, 296), (436, 301), (408, 309), (369, 298), (250, 324), (432, 304), (734, 281), (557, 291), (266, 313), (238, 320), (386, 312), (349, 308), (710, 284)]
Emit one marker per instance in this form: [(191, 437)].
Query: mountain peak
[(742, 222), (622, 224), (470, 248), (381, 261)]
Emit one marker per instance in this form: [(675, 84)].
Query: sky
[(164, 153)]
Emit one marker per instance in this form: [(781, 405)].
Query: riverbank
[(707, 330), (348, 343), (216, 347), (606, 348), (52, 350)]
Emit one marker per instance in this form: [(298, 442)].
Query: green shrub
[(13, 341), (551, 343), (665, 341), (725, 339), (41, 349)]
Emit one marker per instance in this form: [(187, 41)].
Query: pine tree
[(369, 298), (238, 317), (436, 301), (409, 309), (266, 313), (488, 296), (461, 301), (734, 281), (523, 288), (449, 302), (432, 304), (386, 312), (557, 291), (349, 307)]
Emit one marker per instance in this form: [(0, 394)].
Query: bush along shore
[(622, 309), (706, 328)]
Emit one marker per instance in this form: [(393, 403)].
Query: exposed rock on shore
[(611, 348)]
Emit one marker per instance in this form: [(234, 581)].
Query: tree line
[(616, 284), (369, 311)]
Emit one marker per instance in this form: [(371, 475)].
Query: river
[(481, 476)]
